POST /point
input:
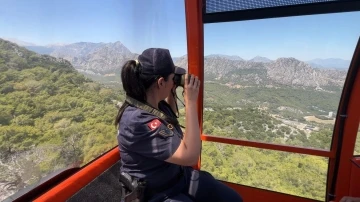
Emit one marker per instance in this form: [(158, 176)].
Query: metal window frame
[(338, 154), (281, 11)]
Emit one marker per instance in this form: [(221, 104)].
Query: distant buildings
[(330, 114)]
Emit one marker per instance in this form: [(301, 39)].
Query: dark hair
[(135, 83)]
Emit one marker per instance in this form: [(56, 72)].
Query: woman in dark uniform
[(152, 147)]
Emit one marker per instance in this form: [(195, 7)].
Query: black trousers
[(197, 186)]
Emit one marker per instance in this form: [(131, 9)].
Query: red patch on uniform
[(154, 124)]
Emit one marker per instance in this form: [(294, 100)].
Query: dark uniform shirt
[(145, 141)]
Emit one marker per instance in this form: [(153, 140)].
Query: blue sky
[(140, 24)]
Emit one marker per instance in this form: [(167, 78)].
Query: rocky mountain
[(230, 57), (260, 59), (182, 62), (284, 71), (290, 71), (95, 57), (91, 58)]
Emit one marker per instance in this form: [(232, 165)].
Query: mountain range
[(107, 58), (335, 63), (284, 71)]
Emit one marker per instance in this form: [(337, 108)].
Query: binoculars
[(179, 79)]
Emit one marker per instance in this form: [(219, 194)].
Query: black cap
[(158, 61)]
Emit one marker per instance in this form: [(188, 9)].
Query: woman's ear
[(160, 82)]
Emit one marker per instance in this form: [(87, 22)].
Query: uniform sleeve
[(152, 138)]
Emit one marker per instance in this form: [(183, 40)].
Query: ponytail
[(130, 78)]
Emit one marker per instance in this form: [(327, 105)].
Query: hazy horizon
[(159, 23), (28, 44)]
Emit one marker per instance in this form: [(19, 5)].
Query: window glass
[(357, 143), (277, 80), (295, 174), (60, 81)]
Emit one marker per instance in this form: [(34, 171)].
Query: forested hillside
[(51, 116), (296, 174), (273, 115)]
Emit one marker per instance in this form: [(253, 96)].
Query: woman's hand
[(191, 88), (188, 152)]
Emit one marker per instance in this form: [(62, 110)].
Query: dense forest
[(296, 174), (54, 117), (51, 116)]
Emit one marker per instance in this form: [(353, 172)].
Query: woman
[(153, 148)]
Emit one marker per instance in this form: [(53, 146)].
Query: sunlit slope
[(268, 114), (51, 116)]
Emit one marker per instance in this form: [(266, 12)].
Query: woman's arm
[(188, 152)]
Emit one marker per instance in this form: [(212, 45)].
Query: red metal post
[(195, 49)]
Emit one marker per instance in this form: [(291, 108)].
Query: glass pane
[(295, 174), (57, 114), (277, 80), (357, 143)]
